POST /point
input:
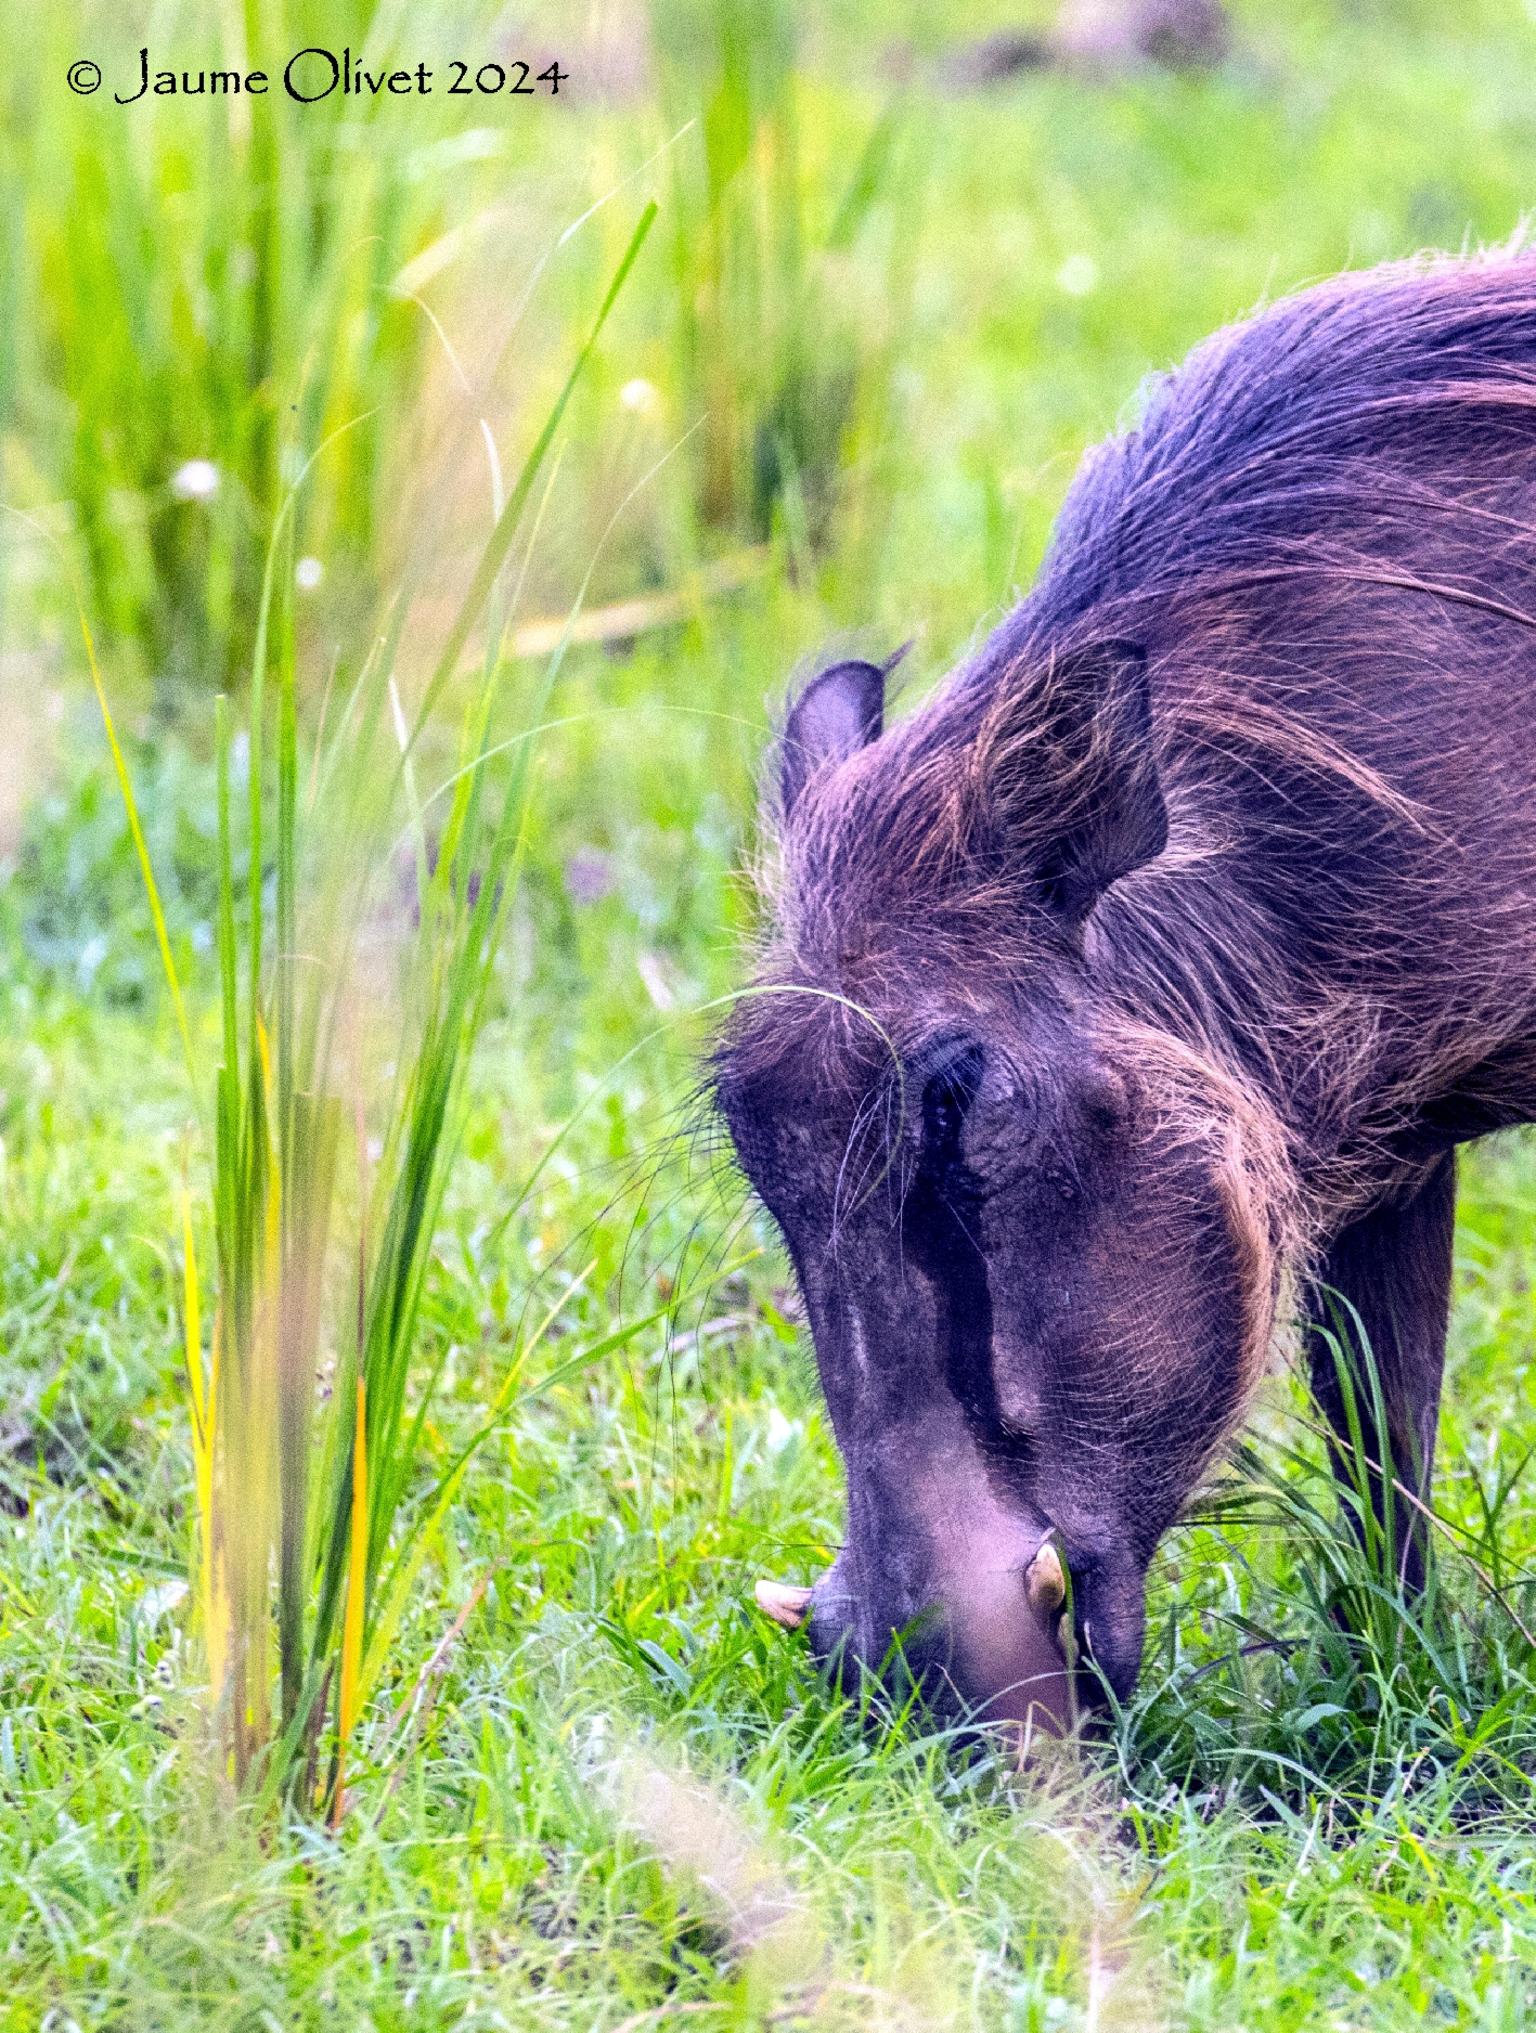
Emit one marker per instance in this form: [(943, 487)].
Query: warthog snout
[(987, 1640)]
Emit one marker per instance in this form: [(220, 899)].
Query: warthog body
[(1142, 984)]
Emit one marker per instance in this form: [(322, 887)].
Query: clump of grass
[(787, 370), (1321, 1680), (204, 282), (307, 1412)]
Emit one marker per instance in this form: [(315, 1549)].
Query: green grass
[(204, 287), (588, 1788)]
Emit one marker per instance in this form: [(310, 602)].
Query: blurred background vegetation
[(905, 271), (909, 260)]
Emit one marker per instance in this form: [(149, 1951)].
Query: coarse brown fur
[(1230, 829)]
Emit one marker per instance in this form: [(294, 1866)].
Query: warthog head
[(1034, 1233)]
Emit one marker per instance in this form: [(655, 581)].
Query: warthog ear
[(840, 711), (1085, 775)]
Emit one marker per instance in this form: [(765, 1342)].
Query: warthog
[(1128, 1001)]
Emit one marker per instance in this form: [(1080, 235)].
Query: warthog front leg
[(1393, 1267)]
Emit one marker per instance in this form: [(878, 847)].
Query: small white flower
[(307, 574), (196, 480), (160, 1598), (781, 1430), (638, 395), (1078, 275)]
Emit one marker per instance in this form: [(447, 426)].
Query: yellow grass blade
[(357, 1580), (264, 1048), (216, 1605), (254, 1520), (204, 1408), (193, 1317), (140, 844)]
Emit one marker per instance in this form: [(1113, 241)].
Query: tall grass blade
[(140, 845), (495, 553), (357, 1586)]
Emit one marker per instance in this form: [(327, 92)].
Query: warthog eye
[(948, 1093)]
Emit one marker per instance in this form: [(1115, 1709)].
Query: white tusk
[(782, 1601), (1045, 1581)]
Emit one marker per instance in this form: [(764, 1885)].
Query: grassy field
[(838, 400)]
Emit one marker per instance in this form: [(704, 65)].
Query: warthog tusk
[(1045, 1581), (782, 1601)]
